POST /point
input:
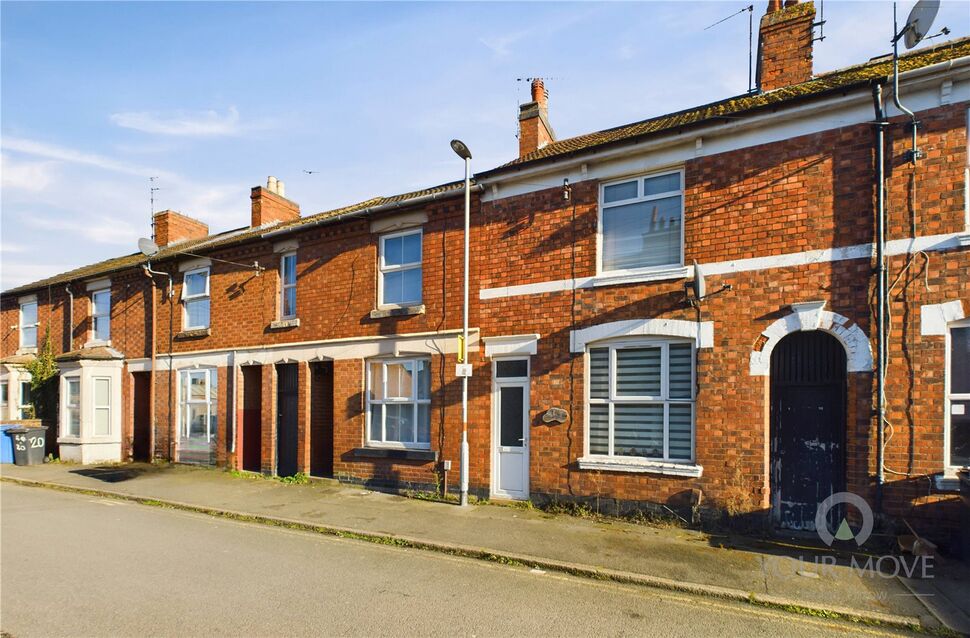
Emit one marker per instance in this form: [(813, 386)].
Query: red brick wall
[(171, 226), (785, 46)]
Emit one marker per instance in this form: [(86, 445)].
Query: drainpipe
[(152, 341), (70, 318), (881, 125), (232, 405)]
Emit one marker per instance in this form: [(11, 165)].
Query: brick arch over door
[(811, 316)]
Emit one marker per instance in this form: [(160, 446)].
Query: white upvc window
[(195, 299), (957, 435), (26, 404), (101, 314), (399, 403), (288, 286), (4, 394), (102, 406), (28, 324), (640, 400), (72, 407), (641, 224), (399, 283)]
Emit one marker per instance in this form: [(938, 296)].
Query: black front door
[(286, 439), (808, 407)]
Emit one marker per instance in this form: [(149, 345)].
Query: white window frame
[(35, 325), (68, 406), (951, 469), (4, 395), (640, 198), (663, 399), (20, 397), (285, 286), (187, 298), (385, 269), (95, 407), (97, 312), (398, 401), (210, 402)]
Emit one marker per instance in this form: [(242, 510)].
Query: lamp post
[(462, 151)]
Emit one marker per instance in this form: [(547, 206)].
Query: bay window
[(641, 223), (641, 401), (958, 396), (399, 403)]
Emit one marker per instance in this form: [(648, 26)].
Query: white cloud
[(25, 176), (64, 154), (182, 123)]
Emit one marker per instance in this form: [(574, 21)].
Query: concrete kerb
[(508, 558)]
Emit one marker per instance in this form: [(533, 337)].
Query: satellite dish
[(919, 22), (700, 286), (147, 247)]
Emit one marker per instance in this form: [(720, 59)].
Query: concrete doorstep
[(665, 558)]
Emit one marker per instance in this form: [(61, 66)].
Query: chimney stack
[(534, 128), (785, 44), (171, 227), (270, 204)]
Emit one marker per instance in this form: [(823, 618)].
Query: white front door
[(510, 429)]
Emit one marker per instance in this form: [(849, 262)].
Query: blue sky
[(213, 97)]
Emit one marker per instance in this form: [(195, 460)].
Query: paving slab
[(672, 554)]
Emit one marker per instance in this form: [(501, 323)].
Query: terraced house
[(682, 311)]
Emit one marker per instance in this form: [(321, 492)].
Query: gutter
[(379, 208)]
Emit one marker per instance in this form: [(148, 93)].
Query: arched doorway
[(807, 426)]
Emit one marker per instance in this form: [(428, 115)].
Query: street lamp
[(464, 369)]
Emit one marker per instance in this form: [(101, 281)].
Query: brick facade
[(762, 201)]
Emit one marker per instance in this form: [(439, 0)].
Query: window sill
[(21, 351), (400, 454), (656, 274), (284, 324), (97, 343), (948, 481), (397, 311), (196, 333), (640, 465)]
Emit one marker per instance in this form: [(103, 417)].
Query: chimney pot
[(280, 188), (534, 128), (272, 184)]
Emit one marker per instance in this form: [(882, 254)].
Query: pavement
[(77, 565), (676, 559)]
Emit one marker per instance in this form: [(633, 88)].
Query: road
[(75, 565)]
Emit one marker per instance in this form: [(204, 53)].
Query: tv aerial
[(917, 26), (697, 287)]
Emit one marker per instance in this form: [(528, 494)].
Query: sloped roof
[(225, 239), (841, 79)]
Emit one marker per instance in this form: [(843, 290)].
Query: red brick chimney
[(534, 128), (270, 204), (785, 44), (171, 226)]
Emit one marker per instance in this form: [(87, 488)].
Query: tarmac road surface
[(75, 565)]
